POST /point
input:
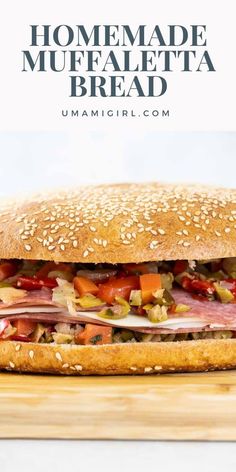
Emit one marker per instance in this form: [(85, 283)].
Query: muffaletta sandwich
[(119, 279)]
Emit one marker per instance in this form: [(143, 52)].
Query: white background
[(45, 160), (116, 456), (39, 149)]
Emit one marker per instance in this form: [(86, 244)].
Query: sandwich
[(119, 279)]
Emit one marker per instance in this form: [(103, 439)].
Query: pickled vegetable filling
[(65, 333), (147, 290)]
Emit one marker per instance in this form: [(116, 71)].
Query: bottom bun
[(115, 359)]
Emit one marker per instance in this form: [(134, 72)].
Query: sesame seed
[(133, 368), (18, 346), (161, 231), (197, 237), (58, 356), (148, 369), (78, 367), (75, 243), (28, 247), (85, 253), (11, 364), (31, 354), (158, 367), (185, 232), (217, 233), (227, 230), (64, 366), (153, 244), (62, 247), (186, 244)]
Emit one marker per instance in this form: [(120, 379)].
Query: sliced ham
[(180, 330), (33, 298), (39, 300)]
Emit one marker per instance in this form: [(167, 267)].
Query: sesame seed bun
[(117, 359), (121, 223)]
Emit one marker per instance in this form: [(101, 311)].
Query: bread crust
[(117, 359), (121, 223)]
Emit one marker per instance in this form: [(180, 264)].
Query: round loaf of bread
[(121, 223)]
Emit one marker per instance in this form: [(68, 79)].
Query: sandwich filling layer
[(101, 304)]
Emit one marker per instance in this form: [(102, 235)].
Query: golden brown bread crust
[(122, 223), (116, 359)]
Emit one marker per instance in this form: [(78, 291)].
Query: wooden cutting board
[(180, 406)]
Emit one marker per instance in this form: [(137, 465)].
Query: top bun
[(121, 223)]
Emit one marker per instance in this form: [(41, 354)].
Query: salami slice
[(208, 311)]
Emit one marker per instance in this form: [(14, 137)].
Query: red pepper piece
[(202, 287), (7, 269), (25, 339), (120, 287), (33, 283), (179, 267), (24, 327), (172, 308)]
